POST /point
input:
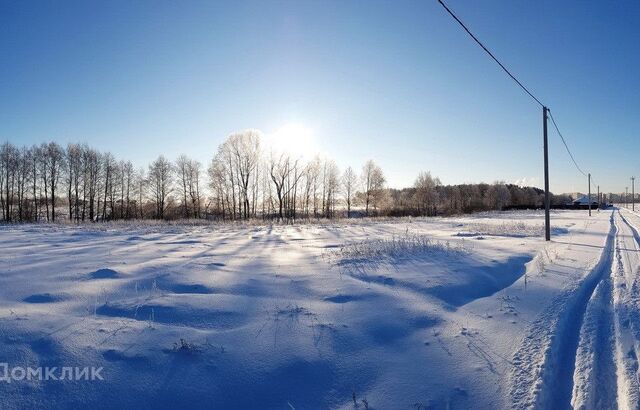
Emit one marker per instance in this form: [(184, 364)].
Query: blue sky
[(395, 81)]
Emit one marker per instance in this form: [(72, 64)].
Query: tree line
[(244, 180)]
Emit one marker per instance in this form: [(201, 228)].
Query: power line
[(489, 52), (565, 143), (521, 86)]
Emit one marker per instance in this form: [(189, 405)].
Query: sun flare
[(294, 139)]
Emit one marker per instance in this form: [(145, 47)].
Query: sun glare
[(294, 139)]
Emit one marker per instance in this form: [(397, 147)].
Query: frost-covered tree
[(497, 196), (188, 173), (426, 193), (332, 187), (373, 180), (349, 186), (160, 183)]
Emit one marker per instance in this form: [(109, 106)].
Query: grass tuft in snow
[(509, 229), (184, 346), (404, 247)]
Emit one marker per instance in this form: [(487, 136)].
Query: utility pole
[(599, 201), (626, 197), (547, 200), (633, 194), (589, 194)]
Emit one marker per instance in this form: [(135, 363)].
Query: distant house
[(584, 201)]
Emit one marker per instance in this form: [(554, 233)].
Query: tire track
[(594, 378), (543, 376), (626, 301), (589, 358)]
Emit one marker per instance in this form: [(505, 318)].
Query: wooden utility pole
[(547, 200), (633, 194), (589, 194), (599, 200)]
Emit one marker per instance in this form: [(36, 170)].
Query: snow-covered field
[(473, 312)]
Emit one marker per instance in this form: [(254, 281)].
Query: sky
[(398, 82)]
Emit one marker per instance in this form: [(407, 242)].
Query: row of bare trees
[(244, 180), (29, 178), (77, 183), (247, 181)]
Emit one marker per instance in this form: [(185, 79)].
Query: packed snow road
[(582, 351), (410, 313)]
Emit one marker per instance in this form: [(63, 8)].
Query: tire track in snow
[(594, 378), (545, 363), (627, 313), (617, 383)]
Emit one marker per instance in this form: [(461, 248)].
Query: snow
[(474, 311)]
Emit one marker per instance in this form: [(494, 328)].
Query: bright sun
[(294, 139)]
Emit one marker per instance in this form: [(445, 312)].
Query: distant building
[(584, 200)]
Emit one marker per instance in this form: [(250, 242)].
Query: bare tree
[(108, 166), (243, 149), (194, 171), (285, 176), (73, 157), (92, 165), (182, 164), (349, 181), (497, 196), (128, 181), (54, 160), (160, 178), (141, 187), (332, 185), (22, 177), (9, 159), (426, 194), (373, 181), (35, 159), (217, 185)]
